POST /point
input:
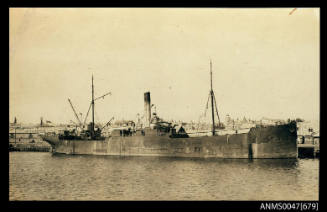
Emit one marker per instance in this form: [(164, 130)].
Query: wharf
[(29, 148), (27, 142), (308, 150)]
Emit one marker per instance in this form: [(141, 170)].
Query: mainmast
[(92, 107), (212, 98)]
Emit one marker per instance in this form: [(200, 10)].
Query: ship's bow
[(53, 140)]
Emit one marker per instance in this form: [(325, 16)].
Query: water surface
[(43, 176)]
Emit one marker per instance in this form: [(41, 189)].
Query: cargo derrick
[(90, 132)]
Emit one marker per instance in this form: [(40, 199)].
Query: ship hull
[(260, 142)]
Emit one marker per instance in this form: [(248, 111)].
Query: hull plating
[(262, 142)]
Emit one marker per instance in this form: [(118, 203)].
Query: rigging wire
[(207, 105), (205, 112), (216, 108), (87, 113), (206, 109)]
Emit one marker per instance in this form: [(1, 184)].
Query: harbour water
[(44, 176)]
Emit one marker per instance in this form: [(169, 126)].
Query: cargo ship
[(160, 138)]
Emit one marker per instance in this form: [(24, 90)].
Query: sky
[(265, 62)]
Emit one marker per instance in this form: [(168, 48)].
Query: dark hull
[(260, 142)]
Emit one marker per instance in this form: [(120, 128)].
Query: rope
[(206, 109), (216, 108), (205, 112), (87, 114)]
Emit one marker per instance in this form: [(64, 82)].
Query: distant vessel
[(159, 138)]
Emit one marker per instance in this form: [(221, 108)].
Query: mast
[(212, 98), (92, 107)]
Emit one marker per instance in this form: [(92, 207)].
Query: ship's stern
[(278, 141)]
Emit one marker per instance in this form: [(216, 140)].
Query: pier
[(308, 151), (28, 148), (27, 142), (308, 144)]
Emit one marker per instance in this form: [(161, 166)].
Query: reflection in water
[(43, 176)]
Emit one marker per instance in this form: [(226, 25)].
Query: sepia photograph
[(219, 104)]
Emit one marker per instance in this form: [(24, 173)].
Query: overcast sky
[(265, 62)]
